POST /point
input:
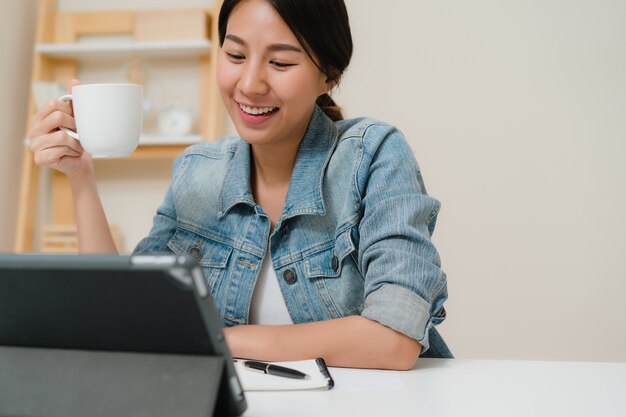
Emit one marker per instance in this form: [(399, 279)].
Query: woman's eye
[(279, 64), (235, 57)]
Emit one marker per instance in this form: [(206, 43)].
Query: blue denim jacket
[(353, 237)]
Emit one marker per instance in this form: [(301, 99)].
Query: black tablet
[(110, 303)]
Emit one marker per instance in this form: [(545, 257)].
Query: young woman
[(313, 231)]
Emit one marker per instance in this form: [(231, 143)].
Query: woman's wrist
[(251, 341), (84, 178)]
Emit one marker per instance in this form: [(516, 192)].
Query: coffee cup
[(108, 118)]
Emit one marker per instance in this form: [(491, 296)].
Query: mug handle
[(67, 98)]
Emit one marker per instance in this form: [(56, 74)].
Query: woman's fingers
[(73, 83), (52, 122), (51, 146), (52, 156), (51, 107), (56, 139)]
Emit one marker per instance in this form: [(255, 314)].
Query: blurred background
[(516, 112)]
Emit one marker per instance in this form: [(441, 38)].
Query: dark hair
[(322, 28)]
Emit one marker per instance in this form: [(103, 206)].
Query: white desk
[(439, 387)]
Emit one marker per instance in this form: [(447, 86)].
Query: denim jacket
[(353, 237)]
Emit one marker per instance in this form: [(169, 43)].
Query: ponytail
[(329, 107)]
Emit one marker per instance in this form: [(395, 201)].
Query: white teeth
[(255, 111)]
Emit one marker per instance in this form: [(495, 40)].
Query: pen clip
[(256, 366), (258, 371)]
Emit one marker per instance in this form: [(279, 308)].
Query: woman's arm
[(353, 342), (94, 234), (55, 149)]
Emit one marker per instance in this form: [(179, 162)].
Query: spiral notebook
[(319, 377)]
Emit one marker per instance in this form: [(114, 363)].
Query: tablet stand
[(73, 383)]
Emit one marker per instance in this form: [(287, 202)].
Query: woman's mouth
[(255, 115), (256, 111)]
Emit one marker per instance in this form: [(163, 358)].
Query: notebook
[(319, 377)]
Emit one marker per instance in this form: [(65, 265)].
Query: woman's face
[(267, 81)]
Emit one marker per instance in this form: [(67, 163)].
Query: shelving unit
[(117, 50), (64, 41)]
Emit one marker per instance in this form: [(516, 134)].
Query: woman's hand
[(53, 147)]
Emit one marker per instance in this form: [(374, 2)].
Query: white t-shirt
[(268, 305)]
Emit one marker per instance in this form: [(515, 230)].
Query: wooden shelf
[(125, 50), (158, 140), (151, 140), (157, 152)]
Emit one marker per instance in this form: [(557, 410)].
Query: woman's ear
[(332, 79), (330, 84)]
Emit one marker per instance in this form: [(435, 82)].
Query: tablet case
[(102, 334), (61, 383)]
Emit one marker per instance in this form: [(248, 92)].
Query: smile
[(256, 111)]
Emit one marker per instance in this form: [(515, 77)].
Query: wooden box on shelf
[(165, 25)]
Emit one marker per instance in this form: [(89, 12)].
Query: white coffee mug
[(108, 118)]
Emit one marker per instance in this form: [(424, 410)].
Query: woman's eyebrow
[(275, 47)]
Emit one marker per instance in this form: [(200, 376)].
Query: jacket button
[(335, 263), (290, 276), (195, 253)]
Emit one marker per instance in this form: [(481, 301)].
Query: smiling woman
[(268, 83), (313, 231)]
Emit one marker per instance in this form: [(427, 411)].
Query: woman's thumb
[(74, 82)]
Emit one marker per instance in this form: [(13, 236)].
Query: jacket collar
[(305, 187)]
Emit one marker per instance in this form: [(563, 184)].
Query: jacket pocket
[(211, 255), (333, 272), (329, 261), (207, 252)]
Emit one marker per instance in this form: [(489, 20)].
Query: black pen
[(268, 368)]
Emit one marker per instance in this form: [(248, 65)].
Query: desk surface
[(454, 387)]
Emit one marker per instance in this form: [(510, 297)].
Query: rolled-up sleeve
[(405, 288)]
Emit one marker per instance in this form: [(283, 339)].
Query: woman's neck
[(271, 172), (273, 164)]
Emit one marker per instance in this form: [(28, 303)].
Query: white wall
[(17, 18), (515, 112)]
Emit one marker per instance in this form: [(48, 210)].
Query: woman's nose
[(253, 81)]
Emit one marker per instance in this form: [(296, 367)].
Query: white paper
[(256, 381)]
